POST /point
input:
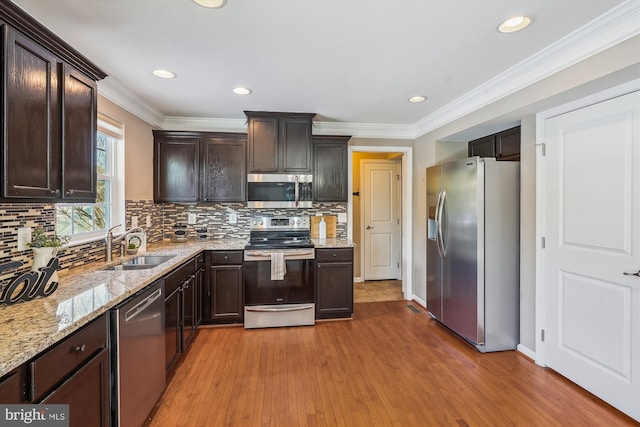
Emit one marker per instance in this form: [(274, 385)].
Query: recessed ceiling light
[(516, 23), (164, 74), (241, 90), (213, 4), (418, 98)]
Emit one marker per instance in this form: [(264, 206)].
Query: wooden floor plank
[(386, 367)]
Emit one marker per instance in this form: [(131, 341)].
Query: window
[(84, 222)]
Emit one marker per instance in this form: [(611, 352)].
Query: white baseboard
[(420, 301), (357, 280), (527, 352)]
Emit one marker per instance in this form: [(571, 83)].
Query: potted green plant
[(44, 248), (133, 245)]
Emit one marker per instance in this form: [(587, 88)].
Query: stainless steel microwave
[(279, 191)]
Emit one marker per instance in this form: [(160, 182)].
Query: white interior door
[(592, 231), (381, 224)]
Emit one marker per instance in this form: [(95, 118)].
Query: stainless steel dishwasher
[(138, 355)]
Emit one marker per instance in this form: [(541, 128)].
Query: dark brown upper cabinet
[(199, 166), (279, 142), (330, 168), (176, 169), (224, 173), (79, 112), (49, 114), (503, 145)]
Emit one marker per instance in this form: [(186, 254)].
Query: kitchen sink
[(152, 260), (142, 262)]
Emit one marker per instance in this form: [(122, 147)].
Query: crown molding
[(615, 26), (117, 93), (364, 130), (205, 124)]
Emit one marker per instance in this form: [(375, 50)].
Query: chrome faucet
[(109, 240)]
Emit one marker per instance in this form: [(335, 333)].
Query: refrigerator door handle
[(437, 220), (440, 236)]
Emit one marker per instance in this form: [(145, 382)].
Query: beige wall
[(609, 68), (138, 146)]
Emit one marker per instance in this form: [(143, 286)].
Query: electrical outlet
[(342, 217), (191, 218), (134, 221), (24, 237), (148, 220), (233, 217)]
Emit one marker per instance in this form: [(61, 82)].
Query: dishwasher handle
[(142, 305)]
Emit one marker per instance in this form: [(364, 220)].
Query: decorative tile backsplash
[(163, 217)]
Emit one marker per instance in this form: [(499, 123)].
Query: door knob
[(630, 273), (369, 227)]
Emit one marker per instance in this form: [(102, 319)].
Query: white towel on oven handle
[(278, 266)]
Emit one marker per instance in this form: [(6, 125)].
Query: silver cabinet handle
[(631, 273)]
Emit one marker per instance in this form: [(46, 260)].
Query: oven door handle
[(279, 309), (248, 255)]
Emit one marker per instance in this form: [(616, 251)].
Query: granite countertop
[(83, 294), (333, 243)]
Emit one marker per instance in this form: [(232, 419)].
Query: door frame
[(541, 118), (406, 207), (397, 164)]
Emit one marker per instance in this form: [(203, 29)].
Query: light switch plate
[(24, 237), (342, 217), (191, 218), (233, 218), (148, 220), (134, 221)]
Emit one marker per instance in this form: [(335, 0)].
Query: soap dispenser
[(322, 229)]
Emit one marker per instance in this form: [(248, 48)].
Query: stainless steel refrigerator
[(473, 229)]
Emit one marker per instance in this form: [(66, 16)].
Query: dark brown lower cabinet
[(181, 303), (334, 283), (13, 386), (87, 393), (172, 327), (223, 296), (75, 372)]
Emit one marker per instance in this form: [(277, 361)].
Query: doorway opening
[(382, 257)]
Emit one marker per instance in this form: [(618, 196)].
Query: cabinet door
[(188, 312), (31, 145), (226, 294), (198, 296), (295, 144), (12, 386), (224, 176), (334, 289), (175, 171), (87, 393), (262, 144), (508, 144), (172, 305), (79, 117), (483, 147), (330, 172)]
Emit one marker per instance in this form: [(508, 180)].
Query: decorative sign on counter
[(29, 285)]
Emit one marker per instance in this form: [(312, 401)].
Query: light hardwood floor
[(386, 367), (377, 290)]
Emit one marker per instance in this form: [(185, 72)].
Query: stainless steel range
[(278, 273)]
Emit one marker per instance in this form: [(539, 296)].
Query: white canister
[(322, 229)]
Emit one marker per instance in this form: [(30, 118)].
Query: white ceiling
[(352, 62)]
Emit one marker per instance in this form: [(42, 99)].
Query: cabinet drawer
[(48, 369), (342, 254), (11, 386), (178, 276), (225, 257)]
